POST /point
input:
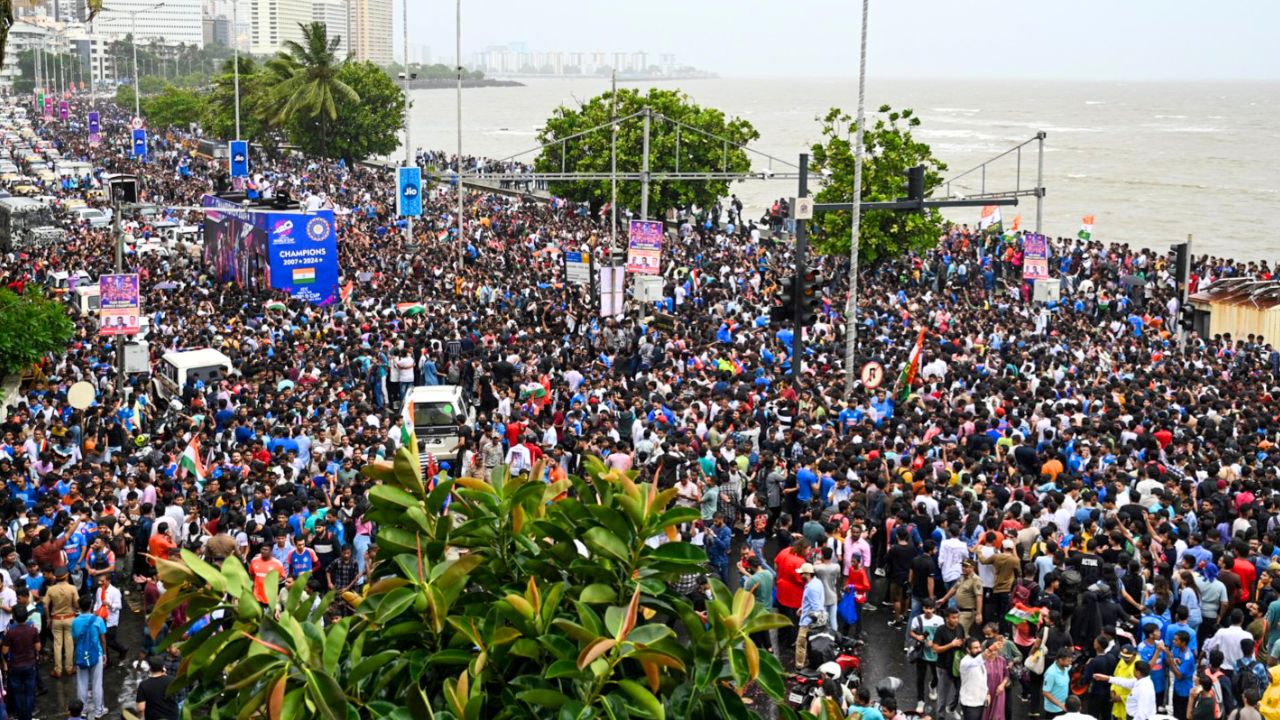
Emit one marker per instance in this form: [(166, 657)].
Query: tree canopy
[(359, 129), (698, 151), (31, 325), (526, 599), (890, 149)]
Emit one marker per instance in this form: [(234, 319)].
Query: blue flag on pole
[(140, 143), (409, 191), (239, 157)]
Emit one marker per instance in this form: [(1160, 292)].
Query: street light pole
[(408, 145), (462, 245), (235, 34), (133, 41), (851, 306)]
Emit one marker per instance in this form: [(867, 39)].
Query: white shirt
[(112, 602), (1075, 716), (973, 681), (1141, 704), (951, 553), (1227, 640)]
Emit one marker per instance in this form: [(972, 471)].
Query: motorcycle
[(832, 671)]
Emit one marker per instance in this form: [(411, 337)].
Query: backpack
[(1251, 673), (1223, 692), (1021, 594), (88, 650)]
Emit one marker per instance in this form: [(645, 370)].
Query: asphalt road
[(119, 680)]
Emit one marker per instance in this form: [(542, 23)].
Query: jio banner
[(409, 192), (95, 129), (291, 251), (239, 158), (140, 143), (1035, 257), (644, 247), (64, 110)]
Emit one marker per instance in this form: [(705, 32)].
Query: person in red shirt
[(261, 567), (790, 587), (1248, 573), (161, 544)]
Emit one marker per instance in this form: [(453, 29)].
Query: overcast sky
[(975, 39)]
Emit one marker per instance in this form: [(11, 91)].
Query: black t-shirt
[(1089, 567), (159, 706), (922, 568), (899, 560), (942, 636)]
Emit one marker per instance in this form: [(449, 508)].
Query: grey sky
[(1049, 39)]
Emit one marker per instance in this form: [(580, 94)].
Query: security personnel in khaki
[(61, 602), (968, 596)]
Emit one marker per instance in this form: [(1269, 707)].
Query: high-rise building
[(334, 15), (371, 30), (275, 22), (174, 22)]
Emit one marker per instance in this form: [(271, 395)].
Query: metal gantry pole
[(408, 144), (119, 238), (851, 306), (644, 168), (613, 165), (462, 245), (133, 40), (802, 260), (1039, 180)]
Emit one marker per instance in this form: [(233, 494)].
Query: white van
[(87, 299), (433, 410), (61, 281), (176, 367)]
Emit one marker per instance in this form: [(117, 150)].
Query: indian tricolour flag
[(304, 276), (1086, 227), (275, 305), (912, 368), (990, 219), (1022, 614), (191, 461)]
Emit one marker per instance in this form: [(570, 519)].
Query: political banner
[(295, 252), (644, 247), (238, 156), (1035, 257), (95, 128), (139, 143), (409, 191), (119, 304), (48, 106), (64, 110)]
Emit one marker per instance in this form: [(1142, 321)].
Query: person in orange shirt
[(160, 545), (1052, 467), (261, 568)]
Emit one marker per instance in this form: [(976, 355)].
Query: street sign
[(238, 157), (409, 191), (872, 375), (577, 268), (139, 143), (804, 208), (136, 123)]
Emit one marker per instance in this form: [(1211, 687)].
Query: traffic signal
[(786, 308), (1187, 318), (915, 183), (1182, 264), (811, 302)]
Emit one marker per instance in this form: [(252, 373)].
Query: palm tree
[(305, 77)]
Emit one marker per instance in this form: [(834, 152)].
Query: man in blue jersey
[(302, 559)]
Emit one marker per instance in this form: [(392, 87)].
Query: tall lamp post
[(462, 245), (851, 306), (235, 34), (133, 42), (408, 145)]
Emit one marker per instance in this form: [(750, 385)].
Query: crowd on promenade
[(1065, 509)]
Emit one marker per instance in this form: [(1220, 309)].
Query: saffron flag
[(191, 461), (347, 291), (1086, 227), (1017, 223), (911, 369), (990, 219)]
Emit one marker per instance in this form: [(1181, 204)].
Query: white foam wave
[(956, 110), (1191, 129), (1076, 176), (1095, 102), (1170, 117)]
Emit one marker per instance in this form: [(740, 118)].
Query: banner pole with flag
[(1086, 228), (911, 369), (191, 460)]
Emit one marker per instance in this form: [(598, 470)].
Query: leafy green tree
[(359, 129), (31, 326), (527, 599), (890, 149), (309, 84), (257, 106), (175, 107), (699, 151)]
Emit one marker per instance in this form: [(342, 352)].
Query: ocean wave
[(956, 110), (1077, 176), (1170, 117), (1191, 129), (958, 134), (509, 131), (1055, 128), (1095, 102)]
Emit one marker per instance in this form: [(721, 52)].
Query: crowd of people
[(1063, 508)]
